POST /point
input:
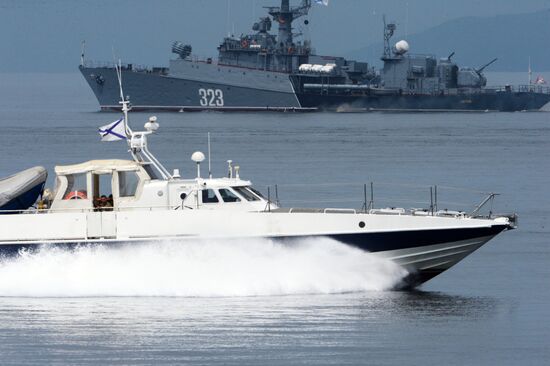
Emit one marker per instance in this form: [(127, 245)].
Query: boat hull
[(424, 253), (23, 201)]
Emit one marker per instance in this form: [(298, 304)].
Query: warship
[(264, 71)]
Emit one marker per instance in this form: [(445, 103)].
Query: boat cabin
[(98, 184), (107, 185)]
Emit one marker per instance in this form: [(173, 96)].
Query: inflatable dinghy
[(20, 191)]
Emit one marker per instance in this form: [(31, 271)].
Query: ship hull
[(252, 90), (181, 92), (498, 101)]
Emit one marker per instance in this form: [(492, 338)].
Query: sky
[(46, 35)]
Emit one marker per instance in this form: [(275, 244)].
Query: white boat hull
[(426, 246)]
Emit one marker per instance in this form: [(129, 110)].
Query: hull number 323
[(211, 97)]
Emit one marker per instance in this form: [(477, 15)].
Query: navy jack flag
[(113, 131)]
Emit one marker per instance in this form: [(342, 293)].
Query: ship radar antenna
[(82, 51), (530, 72), (137, 141), (389, 30), (285, 15), (123, 101), (209, 162)]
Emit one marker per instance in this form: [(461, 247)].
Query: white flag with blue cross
[(113, 131)]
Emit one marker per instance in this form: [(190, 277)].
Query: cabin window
[(76, 187), (246, 194), (127, 184), (209, 196), (228, 196)]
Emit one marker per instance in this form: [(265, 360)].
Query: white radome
[(197, 157), (402, 47), (152, 125)]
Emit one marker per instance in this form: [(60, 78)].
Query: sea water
[(255, 302)]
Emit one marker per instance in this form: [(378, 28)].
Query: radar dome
[(401, 47), (197, 157)]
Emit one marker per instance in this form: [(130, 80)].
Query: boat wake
[(205, 268)]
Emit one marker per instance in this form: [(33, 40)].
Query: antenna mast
[(228, 25), (530, 72), (125, 104), (137, 141), (389, 30), (285, 15), (82, 50), (209, 165)]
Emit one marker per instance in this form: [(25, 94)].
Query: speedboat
[(138, 200)]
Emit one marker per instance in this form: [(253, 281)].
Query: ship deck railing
[(124, 66), (540, 89), (524, 88), (347, 198), (292, 210), (381, 198), (327, 88), (164, 70)]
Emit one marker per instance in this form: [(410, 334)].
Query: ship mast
[(285, 15), (137, 141), (389, 30)]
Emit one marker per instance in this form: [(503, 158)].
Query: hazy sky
[(45, 35)]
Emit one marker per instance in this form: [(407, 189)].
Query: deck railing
[(382, 198), (348, 198), (124, 66)]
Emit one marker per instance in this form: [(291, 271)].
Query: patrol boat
[(263, 71), (137, 201)]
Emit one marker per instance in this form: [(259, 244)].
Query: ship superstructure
[(416, 82)]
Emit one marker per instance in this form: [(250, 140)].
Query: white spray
[(207, 268)]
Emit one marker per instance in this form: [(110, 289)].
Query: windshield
[(256, 192), (228, 196), (246, 193)]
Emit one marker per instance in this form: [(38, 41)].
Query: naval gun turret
[(473, 78), (182, 50)]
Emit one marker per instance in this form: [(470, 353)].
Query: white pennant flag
[(113, 131)]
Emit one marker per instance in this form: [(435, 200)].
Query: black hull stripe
[(380, 242), (372, 242)]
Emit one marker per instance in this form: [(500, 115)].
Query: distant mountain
[(477, 40)]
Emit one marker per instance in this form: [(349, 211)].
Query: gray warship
[(264, 71)]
